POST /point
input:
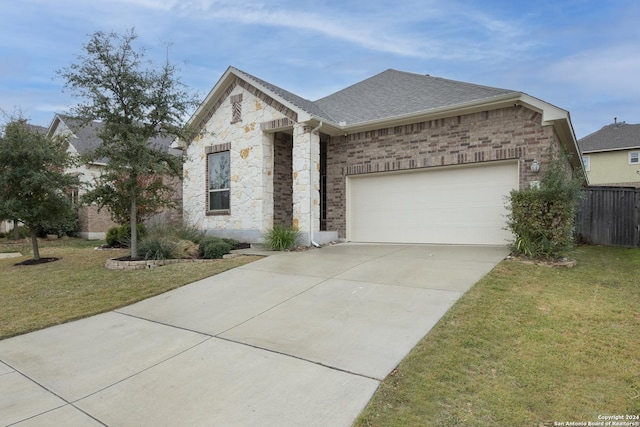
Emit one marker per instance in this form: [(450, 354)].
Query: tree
[(33, 180), (136, 103), (112, 193)]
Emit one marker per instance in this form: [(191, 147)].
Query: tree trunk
[(16, 231), (34, 243), (134, 227)]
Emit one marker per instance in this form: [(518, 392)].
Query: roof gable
[(616, 136)]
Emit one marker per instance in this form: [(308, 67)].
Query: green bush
[(66, 226), (231, 242), (281, 238), (214, 248), (156, 248), (112, 237), (121, 236), (541, 219)]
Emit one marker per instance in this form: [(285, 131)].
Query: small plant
[(156, 248), (281, 238), (188, 233), (186, 249), (214, 248)]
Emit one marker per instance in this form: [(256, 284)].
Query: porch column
[(306, 181)]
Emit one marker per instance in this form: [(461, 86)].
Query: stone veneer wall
[(508, 133), (251, 164)]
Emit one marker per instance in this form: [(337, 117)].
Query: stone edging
[(114, 264), (562, 263)]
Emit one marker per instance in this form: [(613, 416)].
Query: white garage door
[(460, 205)]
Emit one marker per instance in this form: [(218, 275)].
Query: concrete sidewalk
[(296, 339)]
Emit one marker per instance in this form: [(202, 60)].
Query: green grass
[(78, 285), (527, 346)]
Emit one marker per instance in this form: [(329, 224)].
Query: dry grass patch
[(78, 285), (527, 346)]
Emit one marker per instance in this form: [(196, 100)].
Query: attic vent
[(236, 108)]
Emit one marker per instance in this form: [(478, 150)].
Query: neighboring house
[(94, 223), (399, 157), (611, 156)]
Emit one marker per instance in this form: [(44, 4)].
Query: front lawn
[(78, 285), (527, 346)]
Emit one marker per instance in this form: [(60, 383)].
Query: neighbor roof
[(616, 136), (87, 138)]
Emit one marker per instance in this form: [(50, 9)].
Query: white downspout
[(311, 242)]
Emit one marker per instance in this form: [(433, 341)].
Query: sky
[(580, 55)]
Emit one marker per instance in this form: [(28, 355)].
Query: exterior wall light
[(535, 166)]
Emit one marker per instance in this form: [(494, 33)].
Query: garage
[(454, 205)]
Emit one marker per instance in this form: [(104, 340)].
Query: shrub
[(66, 226), (231, 242), (112, 237), (186, 249), (188, 233), (214, 247), (281, 238), (541, 219), (156, 247), (120, 236)]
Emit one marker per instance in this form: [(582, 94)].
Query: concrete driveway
[(296, 339)]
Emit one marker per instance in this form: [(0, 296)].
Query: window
[(218, 181), (634, 159), (586, 162)]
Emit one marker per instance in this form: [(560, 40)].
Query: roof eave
[(607, 150), (433, 114)]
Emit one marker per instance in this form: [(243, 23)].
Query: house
[(611, 155), (398, 157), (82, 139)]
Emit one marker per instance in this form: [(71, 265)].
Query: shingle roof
[(87, 137), (616, 136), (302, 103), (395, 93), (36, 128), (389, 94)]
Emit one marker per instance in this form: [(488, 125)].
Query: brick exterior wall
[(92, 221), (509, 133), (282, 179)]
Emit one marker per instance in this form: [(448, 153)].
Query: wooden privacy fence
[(609, 216)]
